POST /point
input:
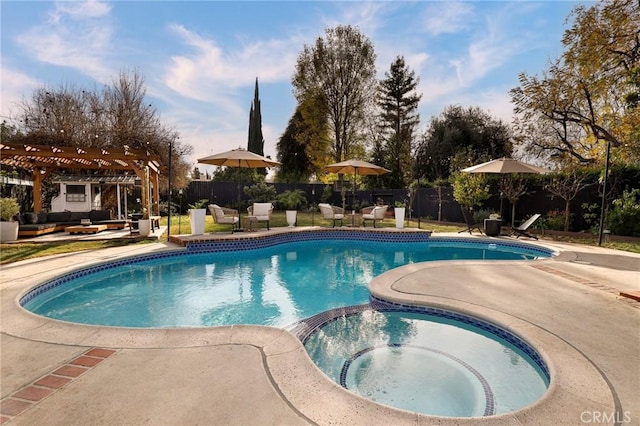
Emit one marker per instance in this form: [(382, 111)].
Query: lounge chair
[(330, 212), (374, 213), (261, 211), (470, 221), (223, 215), (522, 229)]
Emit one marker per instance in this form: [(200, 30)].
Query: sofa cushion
[(78, 216), (42, 217), (30, 218), (37, 227), (97, 215), (56, 217)]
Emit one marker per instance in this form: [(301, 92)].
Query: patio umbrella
[(241, 158), (506, 166), (356, 168)]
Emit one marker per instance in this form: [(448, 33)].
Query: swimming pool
[(246, 282)]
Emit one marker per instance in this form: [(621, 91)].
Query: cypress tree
[(256, 141)]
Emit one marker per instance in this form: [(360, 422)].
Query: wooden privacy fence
[(426, 202)]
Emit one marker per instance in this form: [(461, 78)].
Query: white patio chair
[(224, 215), (330, 212), (261, 211), (374, 213)]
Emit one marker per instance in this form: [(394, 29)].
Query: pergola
[(43, 159)]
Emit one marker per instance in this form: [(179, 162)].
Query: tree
[(339, 69), (470, 189), (590, 94), (567, 185), (513, 187), (294, 162), (117, 116), (458, 138), (256, 141), (399, 118)]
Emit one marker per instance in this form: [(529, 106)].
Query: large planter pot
[(197, 217), (144, 227), (399, 213), (292, 216), (9, 231)]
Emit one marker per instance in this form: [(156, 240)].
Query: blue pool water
[(274, 286), (427, 363)]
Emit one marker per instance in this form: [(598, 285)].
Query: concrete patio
[(568, 307)]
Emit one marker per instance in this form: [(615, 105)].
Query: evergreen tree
[(294, 162), (256, 141), (461, 137), (399, 119)]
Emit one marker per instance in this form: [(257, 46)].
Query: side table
[(492, 227), (355, 219), (250, 223)]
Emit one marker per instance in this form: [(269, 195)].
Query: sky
[(200, 59)]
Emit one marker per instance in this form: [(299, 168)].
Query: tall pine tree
[(399, 119)]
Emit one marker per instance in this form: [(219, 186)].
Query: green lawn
[(180, 225)]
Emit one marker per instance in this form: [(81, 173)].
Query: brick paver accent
[(86, 361), (24, 398), (32, 393), (53, 382)]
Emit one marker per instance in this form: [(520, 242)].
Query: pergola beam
[(42, 159)]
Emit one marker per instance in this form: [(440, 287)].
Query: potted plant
[(291, 200), (8, 227), (399, 212), (197, 215)]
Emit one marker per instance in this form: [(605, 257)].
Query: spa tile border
[(305, 328)]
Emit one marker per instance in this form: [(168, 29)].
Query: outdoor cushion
[(78, 216), (30, 218), (96, 215), (262, 210), (42, 217), (55, 217)]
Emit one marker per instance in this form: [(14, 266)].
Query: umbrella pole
[(239, 229), (353, 192)]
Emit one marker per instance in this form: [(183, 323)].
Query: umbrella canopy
[(505, 165), (241, 158), (356, 167), (238, 158)]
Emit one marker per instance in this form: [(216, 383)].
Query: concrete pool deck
[(568, 307)]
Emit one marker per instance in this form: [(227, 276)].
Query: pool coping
[(295, 375)]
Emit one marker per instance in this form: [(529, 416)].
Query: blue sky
[(200, 59)]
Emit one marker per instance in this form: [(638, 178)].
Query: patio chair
[(224, 215), (261, 211), (330, 212), (522, 229), (470, 221), (374, 213)]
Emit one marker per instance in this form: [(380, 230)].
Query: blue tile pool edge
[(264, 241)]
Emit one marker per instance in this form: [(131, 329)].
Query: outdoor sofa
[(33, 224)]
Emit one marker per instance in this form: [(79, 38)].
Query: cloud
[(14, 85), (77, 35), (221, 71), (80, 10), (447, 17)]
